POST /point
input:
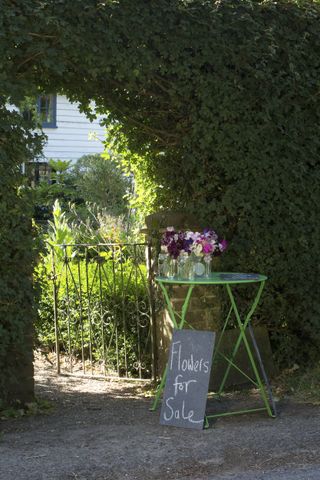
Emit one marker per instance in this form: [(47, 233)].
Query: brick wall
[(203, 314)]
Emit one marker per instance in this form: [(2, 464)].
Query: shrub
[(221, 102), (241, 148), (99, 180), (17, 257)]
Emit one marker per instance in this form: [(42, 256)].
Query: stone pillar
[(204, 307), (203, 314)]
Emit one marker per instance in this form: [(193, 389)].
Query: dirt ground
[(103, 430)]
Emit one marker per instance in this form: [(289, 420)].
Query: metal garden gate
[(103, 309)]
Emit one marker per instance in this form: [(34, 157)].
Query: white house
[(70, 134)]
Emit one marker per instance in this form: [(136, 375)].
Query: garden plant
[(100, 300)]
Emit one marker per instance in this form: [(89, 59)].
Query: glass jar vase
[(172, 267), (163, 264), (198, 266), (185, 266), (202, 265), (207, 259)]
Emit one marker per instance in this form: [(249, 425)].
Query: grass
[(33, 408), (303, 385)]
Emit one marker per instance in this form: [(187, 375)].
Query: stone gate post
[(204, 309)]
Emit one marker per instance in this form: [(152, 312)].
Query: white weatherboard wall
[(74, 135)]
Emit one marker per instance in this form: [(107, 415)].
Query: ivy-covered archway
[(219, 99)]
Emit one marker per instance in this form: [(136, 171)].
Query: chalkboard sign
[(188, 374)]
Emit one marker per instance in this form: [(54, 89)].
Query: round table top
[(215, 278)]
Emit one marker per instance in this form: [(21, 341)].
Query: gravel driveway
[(101, 430)]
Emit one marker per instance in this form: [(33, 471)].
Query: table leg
[(178, 326), (159, 390), (265, 377), (184, 309), (241, 325), (242, 337)]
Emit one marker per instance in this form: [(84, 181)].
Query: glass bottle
[(185, 266), (198, 265), (207, 265), (163, 264)]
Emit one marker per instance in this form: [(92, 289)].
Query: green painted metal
[(216, 278), (242, 326), (238, 412), (184, 309), (226, 279), (216, 350), (242, 336), (238, 369), (179, 326), (185, 306), (159, 390)]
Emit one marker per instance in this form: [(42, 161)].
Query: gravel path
[(102, 430)]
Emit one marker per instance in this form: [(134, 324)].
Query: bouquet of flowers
[(200, 244), (189, 248)]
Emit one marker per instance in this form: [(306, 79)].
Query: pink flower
[(207, 248), (205, 243)]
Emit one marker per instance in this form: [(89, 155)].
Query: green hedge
[(16, 263), (235, 140), (246, 159), (221, 102), (243, 152)]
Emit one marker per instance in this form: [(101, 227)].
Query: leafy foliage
[(57, 186), (92, 179), (36, 407), (16, 252), (143, 195), (99, 180), (60, 233), (68, 226), (219, 102)]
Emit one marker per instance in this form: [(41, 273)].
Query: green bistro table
[(259, 380)]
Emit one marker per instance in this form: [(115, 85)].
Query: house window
[(37, 172), (47, 110)]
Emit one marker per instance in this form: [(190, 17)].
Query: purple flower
[(210, 234), (223, 245), (204, 243)]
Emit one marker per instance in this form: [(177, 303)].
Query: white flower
[(195, 236), (164, 249), (170, 229), (198, 250), (189, 235)]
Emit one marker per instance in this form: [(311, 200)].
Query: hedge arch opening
[(218, 103)]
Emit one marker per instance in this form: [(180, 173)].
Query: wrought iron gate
[(103, 309)]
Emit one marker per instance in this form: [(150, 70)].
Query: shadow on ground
[(102, 430)]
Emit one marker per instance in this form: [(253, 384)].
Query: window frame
[(53, 99)]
